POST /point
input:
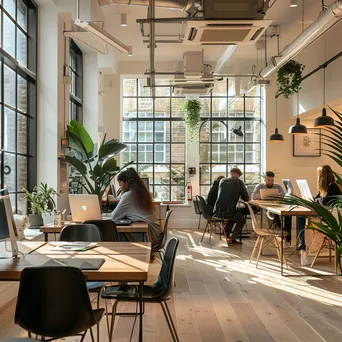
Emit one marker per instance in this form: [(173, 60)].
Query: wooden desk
[(282, 210), (124, 261), (135, 227)]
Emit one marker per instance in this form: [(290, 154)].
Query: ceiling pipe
[(181, 5), (328, 18), (224, 56)]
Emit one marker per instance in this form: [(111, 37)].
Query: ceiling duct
[(193, 89), (328, 18), (170, 4)]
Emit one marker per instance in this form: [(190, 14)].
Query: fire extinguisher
[(189, 191)]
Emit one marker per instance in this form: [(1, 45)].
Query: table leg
[(141, 284), (46, 237), (281, 246)]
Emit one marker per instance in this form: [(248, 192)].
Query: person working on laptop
[(136, 205), (269, 184), (230, 190)]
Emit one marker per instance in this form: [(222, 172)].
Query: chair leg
[(171, 320), (317, 254), (107, 316), (83, 336), (113, 320), (205, 229), (275, 241), (92, 335), (260, 249), (211, 231), (255, 247), (168, 321), (98, 306), (199, 221)]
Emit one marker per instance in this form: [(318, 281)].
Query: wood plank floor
[(220, 296)]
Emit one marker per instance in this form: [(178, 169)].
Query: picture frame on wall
[(307, 145)]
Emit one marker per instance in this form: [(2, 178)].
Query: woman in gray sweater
[(136, 205)]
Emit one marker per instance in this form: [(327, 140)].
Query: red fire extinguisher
[(189, 191)]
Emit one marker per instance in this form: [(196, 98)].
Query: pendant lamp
[(298, 128), (324, 121), (276, 137)]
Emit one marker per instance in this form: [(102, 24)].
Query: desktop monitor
[(288, 186)]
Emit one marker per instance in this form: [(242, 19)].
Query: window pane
[(177, 174), (205, 132), (9, 130), (22, 134), (9, 5), (252, 174), (218, 170), (178, 131), (22, 14), (236, 107), (9, 86), (162, 174), (219, 153), (205, 174), (143, 90), (145, 171), (235, 126), (8, 36), (220, 88), (252, 130), (145, 108), (205, 107), (22, 172), (235, 153), (162, 108), (161, 193), (178, 153), (21, 48), (129, 108), (9, 172), (204, 153), (22, 94), (219, 131), (219, 107), (163, 91), (129, 87), (22, 205), (145, 153), (177, 193), (178, 107), (129, 154), (129, 131), (252, 154)]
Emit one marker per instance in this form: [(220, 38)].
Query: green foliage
[(289, 79), (96, 169), (40, 199), (192, 110)]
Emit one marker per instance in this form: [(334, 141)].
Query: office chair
[(107, 228)]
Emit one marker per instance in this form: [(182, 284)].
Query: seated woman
[(328, 190), (136, 205)]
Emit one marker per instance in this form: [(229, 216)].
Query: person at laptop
[(269, 184), (136, 205)]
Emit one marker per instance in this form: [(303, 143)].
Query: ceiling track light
[(276, 137), (123, 20), (293, 3)]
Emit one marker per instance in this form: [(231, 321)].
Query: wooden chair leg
[(260, 249), (317, 254), (255, 247), (276, 246)]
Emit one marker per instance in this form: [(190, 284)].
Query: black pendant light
[(276, 137), (238, 131), (297, 128), (324, 121)]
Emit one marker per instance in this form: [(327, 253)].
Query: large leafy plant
[(40, 199), (96, 167)]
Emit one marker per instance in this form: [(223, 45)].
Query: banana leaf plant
[(95, 166), (328, 224)]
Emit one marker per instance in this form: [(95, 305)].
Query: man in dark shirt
[(213, 192), (230, 191)]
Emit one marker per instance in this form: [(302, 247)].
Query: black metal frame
[(77, 97), (225, 120), (28, 73), (171, 143)]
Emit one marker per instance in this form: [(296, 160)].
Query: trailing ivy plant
[(289, 79), (192, 110)]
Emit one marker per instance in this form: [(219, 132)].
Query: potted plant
[(96, 167), (289, 79), (192, 110), (40, 201)]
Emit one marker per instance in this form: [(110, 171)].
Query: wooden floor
[(220, 296)]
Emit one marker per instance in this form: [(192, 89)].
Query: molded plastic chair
[(108, 229), (211, 220), (54, 302), (197, 210), (159, 292), (165, 229), (264, 235)]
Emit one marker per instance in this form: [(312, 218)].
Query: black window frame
[(28, 73)]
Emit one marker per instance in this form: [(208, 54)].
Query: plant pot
[(36, 220)]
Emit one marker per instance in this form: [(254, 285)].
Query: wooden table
[(124, 261), (282, 210), (134, 227)]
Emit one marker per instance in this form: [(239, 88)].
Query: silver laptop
[(85, 207), (288, 186), (304, 189), (268, 194)]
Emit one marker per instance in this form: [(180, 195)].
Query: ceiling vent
[(224, 32), (193, 89)]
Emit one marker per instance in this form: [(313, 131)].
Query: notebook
[(83, 264), (267, 194)]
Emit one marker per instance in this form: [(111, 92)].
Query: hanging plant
[(192, 110), (289, 79)]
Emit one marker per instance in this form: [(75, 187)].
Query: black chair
[(86, 233), (165, 229), (159, 292), (211, 220), (54, 302), (108, 229), (197, 210)]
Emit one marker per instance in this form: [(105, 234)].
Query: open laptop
[(304, 189), (268, 194), (85, 207), (288, 186)]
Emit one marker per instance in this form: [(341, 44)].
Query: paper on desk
[(75, 246)]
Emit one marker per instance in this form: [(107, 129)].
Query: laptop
[(85, 207), (304, 189), (267, 194), (288, 186), (124, 222)]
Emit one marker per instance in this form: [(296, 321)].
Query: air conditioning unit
[(224, 32), (193, 64), (193, 89)]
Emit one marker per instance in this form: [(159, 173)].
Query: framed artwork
[(307, 145)]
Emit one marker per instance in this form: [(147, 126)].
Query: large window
[(76, 86), (18, 98), (154, 131), (230, 134)]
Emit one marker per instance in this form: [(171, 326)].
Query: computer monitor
[(7, 225), (304, 189), (288, 186), (146, 182)]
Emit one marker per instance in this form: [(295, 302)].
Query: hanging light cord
[(276, 112), (298, 105), (324, 87)]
